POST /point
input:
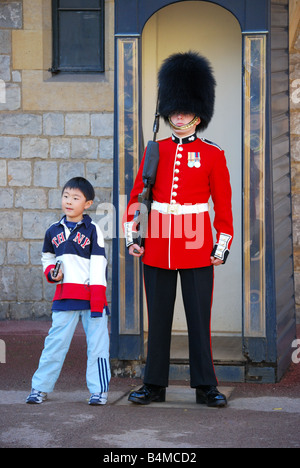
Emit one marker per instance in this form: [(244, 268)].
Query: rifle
[(149, 176)]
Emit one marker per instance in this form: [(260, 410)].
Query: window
[(78, 36)]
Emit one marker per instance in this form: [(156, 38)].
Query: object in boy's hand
[(56, 269)]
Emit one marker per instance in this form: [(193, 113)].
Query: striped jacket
[(83, 262)]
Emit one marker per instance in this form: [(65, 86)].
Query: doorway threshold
[(229, 362), (225, 349)]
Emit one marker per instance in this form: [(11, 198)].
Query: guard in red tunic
[(179, 238)]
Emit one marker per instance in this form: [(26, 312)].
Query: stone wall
[(51, 129)]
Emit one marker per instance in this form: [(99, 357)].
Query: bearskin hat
[(187, 84)]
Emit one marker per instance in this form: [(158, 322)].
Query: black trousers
[(197, 290)]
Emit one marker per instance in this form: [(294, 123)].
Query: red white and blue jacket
[(84, 264)]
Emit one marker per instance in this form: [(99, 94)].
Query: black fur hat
[(187, 84)]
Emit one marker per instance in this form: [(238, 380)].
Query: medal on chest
[(194, 160)]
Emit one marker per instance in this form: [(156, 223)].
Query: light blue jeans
[(57, 344)]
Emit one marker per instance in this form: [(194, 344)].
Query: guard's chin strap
[(183, 127)]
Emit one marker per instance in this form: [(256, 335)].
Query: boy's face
[(73, 204)]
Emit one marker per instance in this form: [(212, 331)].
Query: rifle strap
[(156, 121)]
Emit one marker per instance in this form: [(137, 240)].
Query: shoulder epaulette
[(211, 143)]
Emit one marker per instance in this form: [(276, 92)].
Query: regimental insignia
[(194, 160)]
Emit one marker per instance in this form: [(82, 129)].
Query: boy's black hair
[(81, 184)]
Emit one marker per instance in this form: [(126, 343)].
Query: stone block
[(19, 173), (10, 226), (53, 124), (8, 284), (33, 14), (27, 47), (77, 124), (6, 198), (17, 253), (5, 42), (100, 174), (36, 223), (102, 124), (295, 123), (11, 15), (16, 76), (60, 148), (5, 67), (29, 284), (35, 148), (20, 310), (42, 310), (31, 199), (12, 98), (55, 199), (4, 311), (106, 148), (102, 196), (56, 95), (45, 174), (35, 251), (20, 124), (3, 178), (69, 170), (49, 290), (84, 148), (295, 149), (2, 92), (10, 147), (2, 252)]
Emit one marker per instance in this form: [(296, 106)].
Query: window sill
[(63, 77)]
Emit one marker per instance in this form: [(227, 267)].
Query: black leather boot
[(209, 395), (147, 394)]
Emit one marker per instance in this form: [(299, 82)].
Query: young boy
[(77, 242)]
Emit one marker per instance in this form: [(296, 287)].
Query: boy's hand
[(59, 276)]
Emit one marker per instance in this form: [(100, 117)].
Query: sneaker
[(98, 399), (36, 397)]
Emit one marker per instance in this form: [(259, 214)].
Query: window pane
[(79, 40), (79, 4)]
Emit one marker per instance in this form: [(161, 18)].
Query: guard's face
[(181, 120)]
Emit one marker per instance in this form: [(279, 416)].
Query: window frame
[(56, 68)]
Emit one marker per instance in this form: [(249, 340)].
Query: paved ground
[(257, 415)]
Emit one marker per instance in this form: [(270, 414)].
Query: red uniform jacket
[(190, 171)]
